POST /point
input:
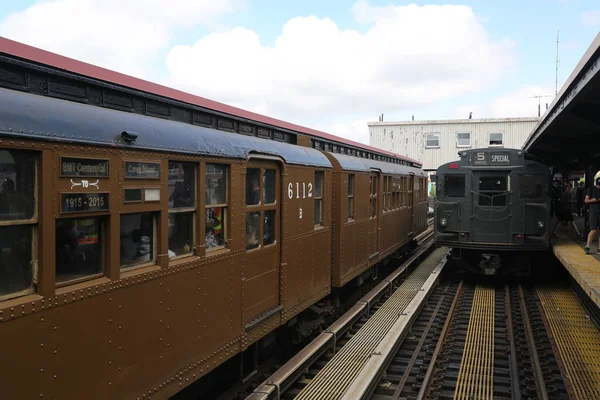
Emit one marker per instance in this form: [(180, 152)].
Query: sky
[(331, 65)]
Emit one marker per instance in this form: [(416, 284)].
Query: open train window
[(78, 249), (318, 216), (182, 208), (493, 190), (531, 187), (18, 220), (137, 239), (215, 182), (351, 197), (454, 185)]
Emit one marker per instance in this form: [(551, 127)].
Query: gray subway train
[(493, 209)]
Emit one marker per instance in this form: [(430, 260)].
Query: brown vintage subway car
[(137, 254)]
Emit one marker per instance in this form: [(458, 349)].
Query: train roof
[(349, 163), (60, 120), (39, 56)]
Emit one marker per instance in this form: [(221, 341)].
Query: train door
[(492, 207), (411, 203), (262, 213), (373, 232)]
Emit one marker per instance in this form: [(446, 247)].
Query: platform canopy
[(568, 134)]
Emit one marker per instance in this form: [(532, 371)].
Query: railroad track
[(468, 340), (496, 342), (291, 378)]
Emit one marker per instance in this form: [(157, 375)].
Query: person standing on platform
[(593, 199)]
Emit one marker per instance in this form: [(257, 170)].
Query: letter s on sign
[(480, 156)]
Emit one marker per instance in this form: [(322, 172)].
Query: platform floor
[(585, 269)]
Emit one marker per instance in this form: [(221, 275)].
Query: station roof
[(62, 120), (568, 133), (455, 121), (81, 68)]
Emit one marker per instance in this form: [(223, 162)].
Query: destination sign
[(84, 202), (500, 158), (142, 170), (497, 158), (83, 167)]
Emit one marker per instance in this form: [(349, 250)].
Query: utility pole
[(557, 61), (539, 102)]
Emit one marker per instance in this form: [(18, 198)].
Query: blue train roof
[(349, 163), (39, 117)]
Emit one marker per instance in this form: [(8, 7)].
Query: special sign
[(499, 158)]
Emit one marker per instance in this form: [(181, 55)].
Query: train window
[(182, 208), (318, 217), (269, 181), (252, 186), (78, 248), (384, 193), (18, 221), (531, 187), (137, 239), (373, 196), (16, 250), (496, 138), (269, 227), (492, 190), (454, 185), (391, 193), (215, 182), (388, 194), (252, 230), (351, 196)]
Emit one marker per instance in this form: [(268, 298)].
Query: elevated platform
[(585, 269)]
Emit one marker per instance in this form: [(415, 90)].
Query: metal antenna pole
[(557, 62)]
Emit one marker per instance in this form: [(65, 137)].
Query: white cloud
[(124, 35), (316, 74), (519, 103), (591, 18)]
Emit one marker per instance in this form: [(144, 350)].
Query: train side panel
[(306, 256)]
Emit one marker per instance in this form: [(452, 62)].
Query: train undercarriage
[(496, 262)]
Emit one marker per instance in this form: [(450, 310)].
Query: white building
[(437, 142)]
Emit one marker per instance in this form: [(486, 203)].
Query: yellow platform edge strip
[(577, 340), (584, 268)]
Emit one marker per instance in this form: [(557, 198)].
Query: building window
[(432, 140), (182, 208), (78, 248), (463, 139), (18, 220), (137, 239), (351, 197), (215, 209), (318, 218), (496, 139)]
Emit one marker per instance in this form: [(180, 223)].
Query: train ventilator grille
[(337, 376), (577, 340), (476, 375)]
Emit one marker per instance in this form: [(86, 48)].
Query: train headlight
[(541, 224), (443, 222)]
